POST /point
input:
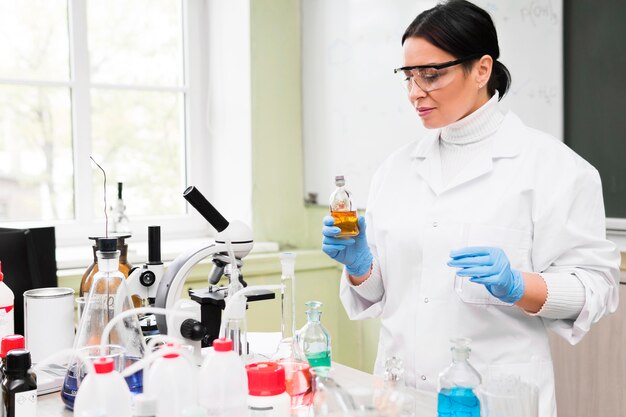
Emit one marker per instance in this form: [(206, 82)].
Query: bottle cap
[(108, 245), (144, 405), (13, 341), (340, 181), (265, 379), (171, 355), (222, 345), (103, 365), (18, 361)]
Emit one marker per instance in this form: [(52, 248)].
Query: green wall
[(279, 212)]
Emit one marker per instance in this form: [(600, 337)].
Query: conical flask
[(289, 354), (108, 296), (314, 338)]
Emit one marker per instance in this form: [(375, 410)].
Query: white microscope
[(202, 325)]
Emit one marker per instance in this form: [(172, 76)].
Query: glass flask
[(108, 296), (124, 266), (120, 222), (395, 390), (341, 209), (314, 338), (457, 384), (289, 354)]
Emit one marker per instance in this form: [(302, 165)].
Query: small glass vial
[(314, 338), (457, 384), (19, 386), (341, 209)]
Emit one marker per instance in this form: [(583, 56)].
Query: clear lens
[(427, 79)]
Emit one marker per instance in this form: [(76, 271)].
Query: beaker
[(109, 296)]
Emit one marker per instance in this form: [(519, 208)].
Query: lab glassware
[(341, 209), (457, 384), (124, 266), (108, 296), (395, 389), (314, 338), (289, 354)]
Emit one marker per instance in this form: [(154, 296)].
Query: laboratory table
[(50, 405)]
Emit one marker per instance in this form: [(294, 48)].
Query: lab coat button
[(423, 377), (426, 299)]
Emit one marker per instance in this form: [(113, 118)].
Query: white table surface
[(51, 405)]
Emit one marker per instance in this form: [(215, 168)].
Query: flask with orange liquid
[(341, 209)]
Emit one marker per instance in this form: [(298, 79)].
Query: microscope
[(202, 325)]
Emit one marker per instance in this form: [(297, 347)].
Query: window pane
[(34, 40), (136, 42), (138, 138), (36, 168)]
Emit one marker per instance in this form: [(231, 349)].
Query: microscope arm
[(173, 281)]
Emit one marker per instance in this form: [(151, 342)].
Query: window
[(110, 79)]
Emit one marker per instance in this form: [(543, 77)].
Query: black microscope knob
[(147, 278), (193, 330)]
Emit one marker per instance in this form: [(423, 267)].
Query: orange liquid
[(347, 222)]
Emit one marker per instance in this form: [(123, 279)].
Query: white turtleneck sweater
[(462, 141)]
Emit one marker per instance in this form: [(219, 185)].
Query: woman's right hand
[(354, 253)]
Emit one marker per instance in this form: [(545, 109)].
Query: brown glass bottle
[(124, 265)]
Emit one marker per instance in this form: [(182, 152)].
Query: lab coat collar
[(427, 161)]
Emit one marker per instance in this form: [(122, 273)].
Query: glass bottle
[(19, 385), (395, 387), (108, 296), (124, 266), (120, 222), (314, 338), (341, 209), (289, 354), (457, 384)]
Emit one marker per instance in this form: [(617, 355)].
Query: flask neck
[(313, 316), (288, 305), (108, 261)]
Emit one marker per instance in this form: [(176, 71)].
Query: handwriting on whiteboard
[(539, 12)]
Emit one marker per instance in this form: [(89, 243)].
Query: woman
[(485, 228)]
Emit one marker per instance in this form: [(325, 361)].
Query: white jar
[(266, 390)]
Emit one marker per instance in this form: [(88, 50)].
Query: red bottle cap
[(265, 379), (103, 365), (223, 345), (13, 341), (170, 355)]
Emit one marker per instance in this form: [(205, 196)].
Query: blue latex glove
[(352, 252), (491, 267)]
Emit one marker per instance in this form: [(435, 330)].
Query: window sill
[(72, 257)]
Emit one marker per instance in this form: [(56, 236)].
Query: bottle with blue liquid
[(457, 384)]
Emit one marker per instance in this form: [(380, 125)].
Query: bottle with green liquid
[(314, 338)]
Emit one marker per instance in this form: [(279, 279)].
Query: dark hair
[(462, 29)]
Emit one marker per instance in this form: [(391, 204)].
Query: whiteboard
[(356, 113)]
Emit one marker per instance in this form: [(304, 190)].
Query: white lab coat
[(529, 195)]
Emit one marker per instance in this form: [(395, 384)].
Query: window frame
[(197, 143)]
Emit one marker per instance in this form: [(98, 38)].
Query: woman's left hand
[(491, 267)]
